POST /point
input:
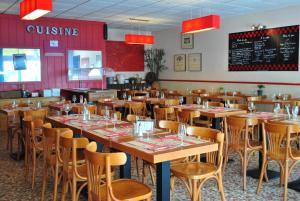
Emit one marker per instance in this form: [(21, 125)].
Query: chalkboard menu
[(274, 49)]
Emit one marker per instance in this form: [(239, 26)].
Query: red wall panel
[(125, 57), (54, 69)]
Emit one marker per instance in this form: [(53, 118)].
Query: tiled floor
[(14, 188)]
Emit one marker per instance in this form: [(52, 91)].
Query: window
[(84, 65), (20, 65)]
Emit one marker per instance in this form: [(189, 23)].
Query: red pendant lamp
[(33, 9), (139, 39), (205, 23)]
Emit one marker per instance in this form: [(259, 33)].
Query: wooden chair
[(187, 116), (277, 147), (51, 159), (138, 108), (253, 98), (172, 126), (35, 114), (131, 118), (195, 173), (160, 114), (239, 106), (74, 168), (33, 144), (121, 189), (237, 140), (215, 104), (139, 98), (79, 108), (170, 102)]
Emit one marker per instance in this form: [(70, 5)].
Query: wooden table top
[(214, 112), (270, 101), (263, 116), (12, 111), (125, 141)]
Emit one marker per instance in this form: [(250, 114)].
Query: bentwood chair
[(33, 144), (137, 108), (277, 147), (237, 141), (172, 126), (170, 102), (195, 173), (120, 189), (187, 116), (160, 114), (74, 168), (51, 159)]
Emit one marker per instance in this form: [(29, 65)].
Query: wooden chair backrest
[(172, 126), (79, 108), (160, 114), (131, 118), (211, 135), (275, 137), (99, 164), (235, 132), (239, 106), (69, 147), (171, 102), (137, 108), (139, 98), (30, 129), (187, 116), (35, 114)]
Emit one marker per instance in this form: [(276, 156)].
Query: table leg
[(125, 170), (99, 147), (163, 181), (255, 173), (216, 123)]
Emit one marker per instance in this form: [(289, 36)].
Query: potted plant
[(221, 90), (260, 89), (155, 62)]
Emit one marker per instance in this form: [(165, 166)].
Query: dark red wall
[(54, 69), (125, 57)]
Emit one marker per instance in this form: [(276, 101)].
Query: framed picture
[(195, 62), (187, 41), (179, 62)]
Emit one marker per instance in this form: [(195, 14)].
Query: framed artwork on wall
[(179, 62), (187, 41), (195, 62)]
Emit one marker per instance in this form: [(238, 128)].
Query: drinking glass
[(285, 97), (205, 104), (198, 100), (162, 95), (67, 109), (295, 110), (149, 131), (147, 95), (234, 93), (14, 104), (74, 98), (157, 94), (227, 103), (106, 115), (115, 120), (129, 97), (251, 107), (124, 95), (274, 97), (276, 108), (181, 100), (181, 132), (287, 109)]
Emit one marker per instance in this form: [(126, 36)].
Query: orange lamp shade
[(33, 9), (205, 23), (139, 39)]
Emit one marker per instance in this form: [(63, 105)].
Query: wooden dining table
[(216, 113), (158, 148)]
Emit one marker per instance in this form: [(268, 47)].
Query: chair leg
[(64, 188), (220, 186), (137, 167), (245, 171), (144, 172), (33, 168), (74, 189), (55, 182), (195, 195), (151, 175), (262, 173), (44, 181), (286, 172)]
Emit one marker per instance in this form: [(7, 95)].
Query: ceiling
[(162, 14)]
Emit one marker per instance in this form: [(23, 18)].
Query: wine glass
[(181, 100), (287, 109), (227, 103), (150, 130), (157, 94), (124, 96), (276, 108), (115, 120), (67, 109), (295, 110), (38, 105), (198, 100), (74, 98), (162, 95), (14, 104), (205, 104), (251, 107), (129, 98), (181, 132), (274, 97), (106, 114)]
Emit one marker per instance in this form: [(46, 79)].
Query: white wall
[(118, 35), (214, 48)]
